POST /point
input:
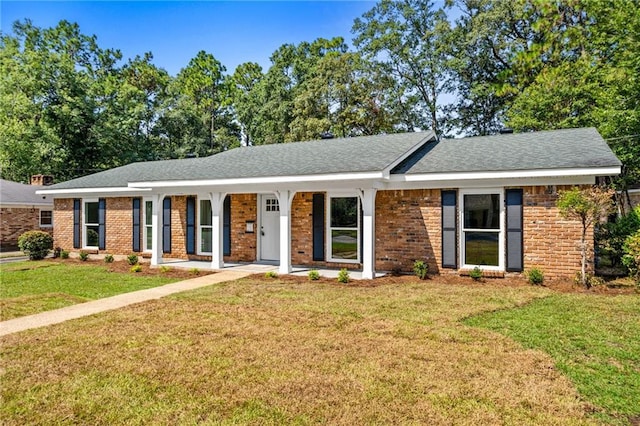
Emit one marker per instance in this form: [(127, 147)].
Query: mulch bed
[(563, 286), (122, 266)]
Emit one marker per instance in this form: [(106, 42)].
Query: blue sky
[(174, 31)]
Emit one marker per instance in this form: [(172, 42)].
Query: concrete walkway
[(114, 302)]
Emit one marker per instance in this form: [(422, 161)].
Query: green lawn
[(282, 352), (594, 340), (31, 287)]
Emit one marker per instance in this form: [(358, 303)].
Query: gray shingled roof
[(18, 193), (553, 149), (345, 155)]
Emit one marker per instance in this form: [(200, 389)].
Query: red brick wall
[(244, 207), (407, 229), (17, 221), (63, 223), (551, 243), (118, 225)]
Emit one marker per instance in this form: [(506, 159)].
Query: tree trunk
[(583, 270)]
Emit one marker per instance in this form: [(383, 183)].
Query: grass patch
[(594, 340), (31, 287), (275, 352)]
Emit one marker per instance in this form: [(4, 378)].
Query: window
[(148, 228), (205, 227), (46, 218), (482, 229), (91, 227), (344, 232), (272, 205)]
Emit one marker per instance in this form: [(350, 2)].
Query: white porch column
[(368, 198), (284, 202), (156, 230), (217, 223)]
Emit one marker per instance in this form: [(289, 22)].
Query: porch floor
[(260, 268)]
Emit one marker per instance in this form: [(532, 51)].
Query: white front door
[(269, 228)]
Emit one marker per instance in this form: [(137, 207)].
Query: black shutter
[(191, 225), (449, 230), (102, 213), (318, 227), (136, 225), (515, 242), (226, 226), (76, 223), (166, 225)]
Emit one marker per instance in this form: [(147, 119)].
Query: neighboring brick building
[(22, 210), (369, 203)]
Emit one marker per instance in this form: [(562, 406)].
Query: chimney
[(42, 180)]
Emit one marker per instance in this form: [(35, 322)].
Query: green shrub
[(476, 273), (631, 258), (313, 275), (84, 256), (64, 254), (132, 259), (271, 274), (164, 269), (611, 236), (343, 276), (194, 271), (136, 268), (535, 276), (108, 258), (35, 244), (56, 252), (420, 268)]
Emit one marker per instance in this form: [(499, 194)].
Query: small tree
[(587, 205)]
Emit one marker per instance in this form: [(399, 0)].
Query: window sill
[(486, 273)]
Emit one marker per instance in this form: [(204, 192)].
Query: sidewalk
[(115, 302)]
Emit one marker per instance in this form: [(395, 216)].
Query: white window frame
[(500, 231), (49, 225), (86, 201), (146, 200), (329, 228), (200, 227)]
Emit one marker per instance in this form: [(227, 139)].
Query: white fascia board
[(74, 191), (507, 174), (430, 137), (41, 206), (259, 180), (485, 183)]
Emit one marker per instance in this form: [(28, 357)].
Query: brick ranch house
[(22, 210), (369, 203)]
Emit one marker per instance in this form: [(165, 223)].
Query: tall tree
[(54, 76), (205, 90), (245, 98), (407, 39)]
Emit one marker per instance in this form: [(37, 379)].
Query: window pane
[(205, 212), (205, 240), (344, 244), (46, 217), (92, 236), (148, 236), (91, 213), (344, 212), (148, 213), (481, 248), (482, 211)]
